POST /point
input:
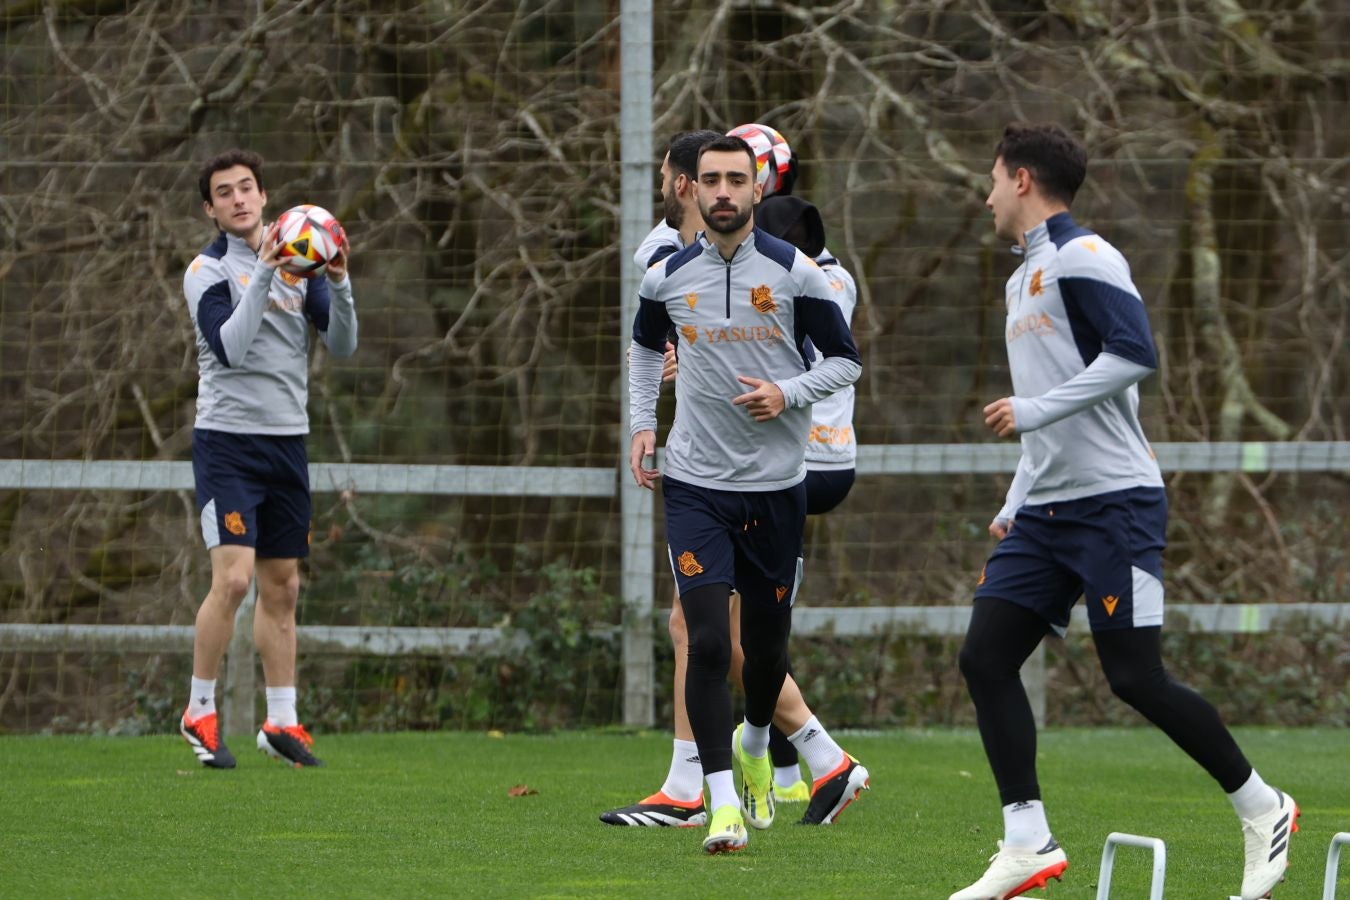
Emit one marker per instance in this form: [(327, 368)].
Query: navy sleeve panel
[(661, 253), (676, 260), (822, 322), (776, 249), (1106, 319), (213, 311), (318, 301), (652, 324), (1061, 229)]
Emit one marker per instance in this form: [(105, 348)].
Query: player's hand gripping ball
[(310, 237)]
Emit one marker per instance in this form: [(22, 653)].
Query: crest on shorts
[(690, 333), (692, 299), (780, 592), (234, 523), (761, 298), (1110, 601), (689, 565)]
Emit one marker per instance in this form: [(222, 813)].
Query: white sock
[(202, 700), (815, 745), (684, 781), (787, 776), (722, 791), (755, 739), (1024, 825), (281, 707), (1254, 798)]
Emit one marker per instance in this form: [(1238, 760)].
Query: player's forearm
[(1017, 492), (239, 330), (831, 376), (644, 387), (340, 338), (1107, 376)]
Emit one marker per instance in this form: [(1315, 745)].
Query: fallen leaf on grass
[(521, 790)]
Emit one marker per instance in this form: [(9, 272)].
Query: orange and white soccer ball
[(772, 154), (310, 237)]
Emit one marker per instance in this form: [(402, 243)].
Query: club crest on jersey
[(761, 298), (689, 564), (234, 524), (1110, 601), (290, 277), (1036, 288), (982, 571), (692, 299)]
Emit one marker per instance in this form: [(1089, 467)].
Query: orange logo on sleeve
[(692, 299), (1091, 245), (761, 298), (690, 333), (689, 565), (1036, 288), (781, 592), (234, 524), (1110, 601)]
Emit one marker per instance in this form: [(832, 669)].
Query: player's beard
[(674, 211), (733, 225)]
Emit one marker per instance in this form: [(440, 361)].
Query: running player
[(734, 496), (248, 446), (1086, 515)]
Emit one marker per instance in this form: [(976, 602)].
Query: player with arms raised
[(1086, 515), (248, 446), (743, 304)]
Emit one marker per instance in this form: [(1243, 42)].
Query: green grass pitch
[(430, 815)]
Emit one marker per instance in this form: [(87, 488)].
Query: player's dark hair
[(794, 220), (228, 160), (684, 149), (1054, 157), (726, 144)]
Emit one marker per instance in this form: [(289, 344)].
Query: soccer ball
[(310, 237), (772, 154)]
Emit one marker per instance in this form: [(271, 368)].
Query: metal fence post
[(635, 218), (241, 679)]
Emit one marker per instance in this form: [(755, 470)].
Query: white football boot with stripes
[(1266, 840), (659, 811), (1014, 871)]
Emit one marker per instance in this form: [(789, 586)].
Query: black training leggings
[(1000, 638), (707, 697)]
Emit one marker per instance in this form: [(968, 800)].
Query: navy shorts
[(827, 488), (253, 491), (1107, 548), (749, 539)]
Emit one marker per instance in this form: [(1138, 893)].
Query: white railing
[(638, 593)]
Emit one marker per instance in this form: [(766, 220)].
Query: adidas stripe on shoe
[(833, 792), (203, 736), (1266, 845), (659, 811), (1012, 872)]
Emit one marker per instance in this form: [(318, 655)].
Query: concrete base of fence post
[(241, 680)]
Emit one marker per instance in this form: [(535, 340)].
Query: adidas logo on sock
[(810, 734), (1020, 806), (694, 759)]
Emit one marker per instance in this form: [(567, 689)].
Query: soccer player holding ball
[(743, 303), (1086, 515), (252, 306)]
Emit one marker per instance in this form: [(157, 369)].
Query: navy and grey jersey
[(752, 316), (252, 328), (1078, 343)]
